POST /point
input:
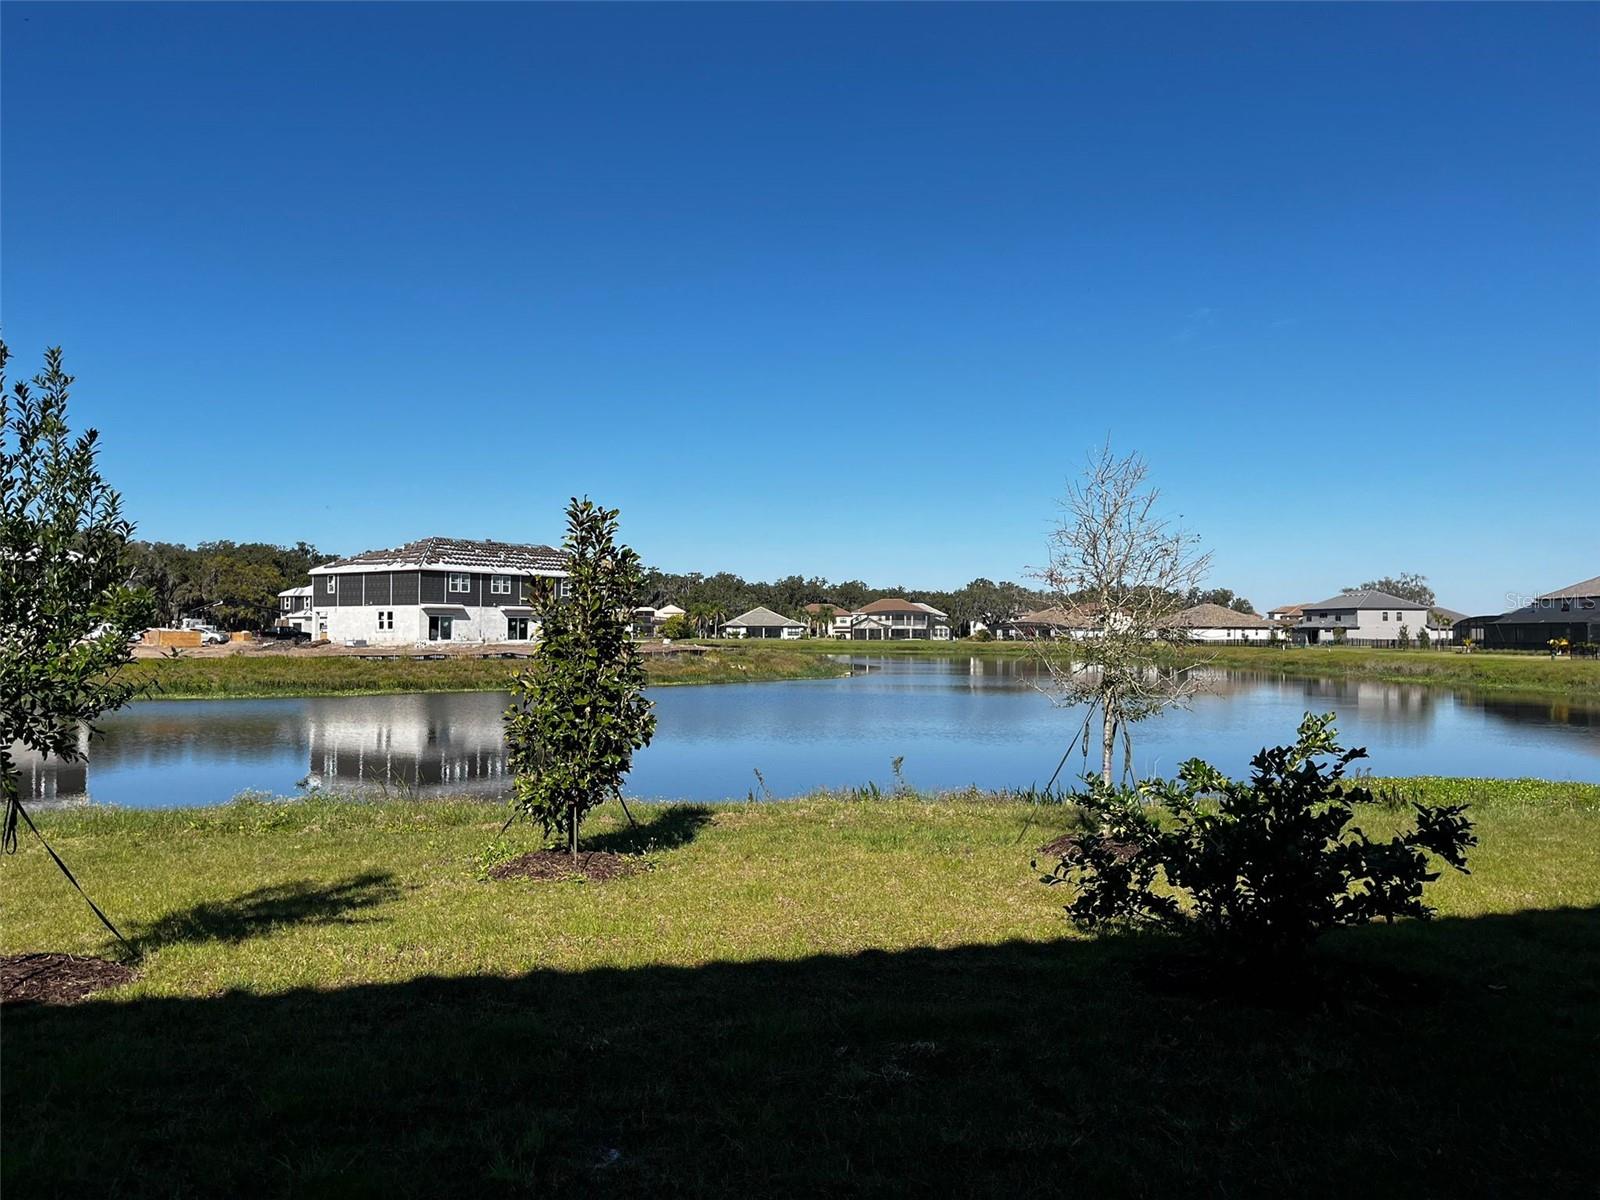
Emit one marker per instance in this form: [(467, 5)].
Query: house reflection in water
[(447, 742)]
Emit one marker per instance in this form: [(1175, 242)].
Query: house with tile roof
[(893, 619), (1053, 622), (434, 590), (1214, 623), (763, 623)]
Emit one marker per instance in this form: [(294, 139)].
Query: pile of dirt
[(56, 978), (598, 866)]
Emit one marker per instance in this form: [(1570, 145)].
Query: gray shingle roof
[(758, 618), (460, 552), (1363, 598), (1586, 587)]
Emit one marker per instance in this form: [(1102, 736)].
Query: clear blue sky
[(844, 290)]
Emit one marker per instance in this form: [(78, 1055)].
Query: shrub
[(677, 627), (1263, 867)]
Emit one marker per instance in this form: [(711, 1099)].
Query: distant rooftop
[(758, 618), (897, 604), (1363, 598), (1215, 616), (1587, 587), (461, 553)]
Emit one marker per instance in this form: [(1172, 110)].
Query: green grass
[(1529, 675), (735, 662), (307, 675), (810, 997)]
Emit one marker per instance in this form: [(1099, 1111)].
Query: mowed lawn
[(797, 998)]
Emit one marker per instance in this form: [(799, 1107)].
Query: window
[(460, 582), (516, 629), (438, 628), (1385, 616), (386, 619), (286, 602), (500, 585), (330, 585)]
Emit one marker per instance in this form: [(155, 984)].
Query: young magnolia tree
[(68, 616), (1121, 565), (579, 712)]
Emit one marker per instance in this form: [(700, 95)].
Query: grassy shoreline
[(1481, 671), (247, 676), (797, 997), (242, 676)]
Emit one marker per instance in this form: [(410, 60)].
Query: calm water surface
[(956, 721)]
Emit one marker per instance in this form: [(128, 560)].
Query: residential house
[(434, 590), (1214, 623), (294, 610), (763, 623), (824, 616), (1288, 614), (893, 619), (1053, 622), (1361, 617), (1571, 613), (647, 622)]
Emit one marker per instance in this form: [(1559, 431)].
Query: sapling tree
[(68, 615), (1263, 866), (1115, 558), (579, 711)]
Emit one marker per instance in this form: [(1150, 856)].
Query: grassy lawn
[(1523, 674), (810, 997), (243, 675)]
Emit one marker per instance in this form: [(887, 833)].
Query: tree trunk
[(1108, 744), (572, 831), (10, 794)]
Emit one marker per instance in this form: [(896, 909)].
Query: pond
[(955, 722)]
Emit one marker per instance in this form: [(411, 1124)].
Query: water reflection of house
[(49, 780), (445, 742)]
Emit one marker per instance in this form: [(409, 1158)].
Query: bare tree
[(1127, 571)]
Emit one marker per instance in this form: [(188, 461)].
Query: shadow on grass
[(264, 909), (1005, 1070), (662, 827)]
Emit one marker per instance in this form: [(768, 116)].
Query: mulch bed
[(598, 866), (56, 978), (1071, 846)]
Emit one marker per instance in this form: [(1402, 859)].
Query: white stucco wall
[(1231, 635), (469, 623)]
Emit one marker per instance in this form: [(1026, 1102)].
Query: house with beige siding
[(893, 619)]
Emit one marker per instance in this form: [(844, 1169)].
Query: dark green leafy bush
[(1264, 866)]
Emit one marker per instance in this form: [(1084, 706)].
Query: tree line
[(235, 585)]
